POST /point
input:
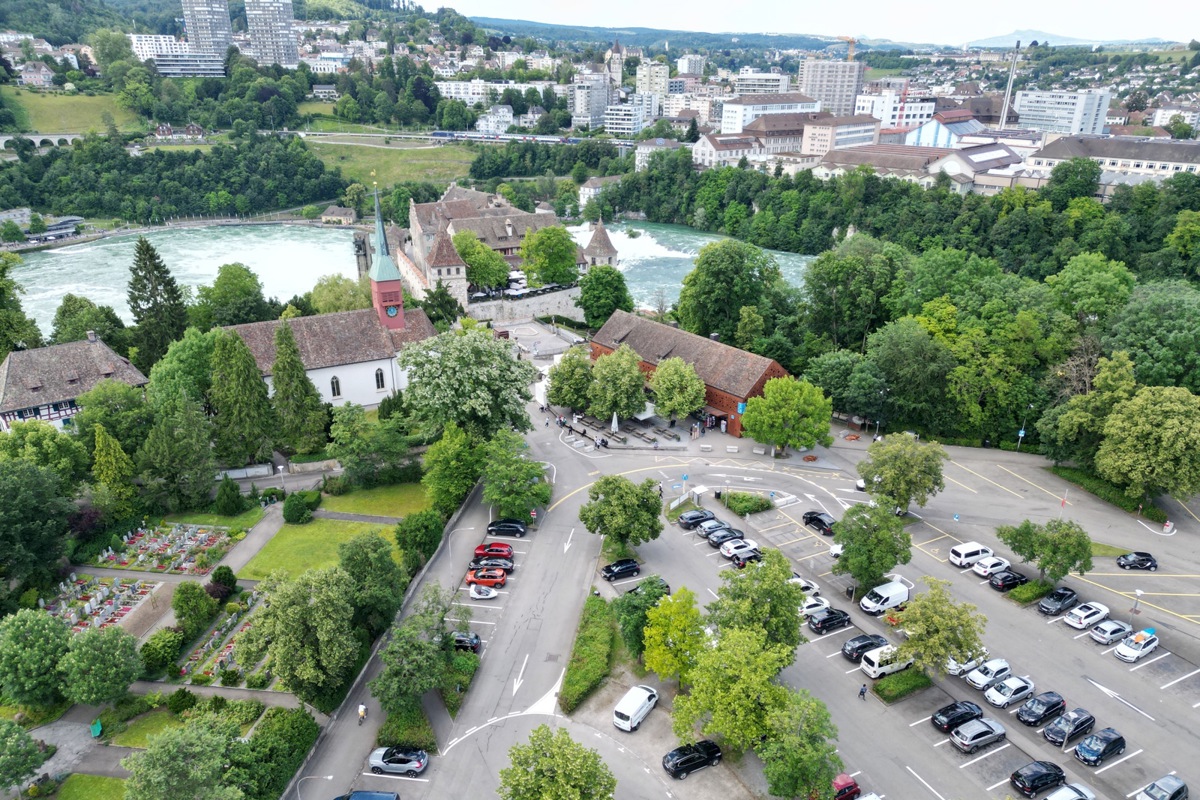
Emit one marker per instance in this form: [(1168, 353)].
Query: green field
[(91, 787), (438, 164), (147, 725), (62, 113), (298, 548), (246, 519), (385, 501)]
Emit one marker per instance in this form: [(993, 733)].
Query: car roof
[(1169, 782)]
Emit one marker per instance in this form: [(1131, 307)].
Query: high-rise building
[(590, 95), (897, 109), (1064, 112), (207, 25), (652, 78), (836, 84), (749, 81), (690, 64), (272, 37)]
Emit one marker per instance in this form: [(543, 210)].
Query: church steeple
[(387, 289)]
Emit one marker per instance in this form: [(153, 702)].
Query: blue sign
[(1021, 433), (956, 517), (741, 408), (772, 494), (677, 486), (685, 477)]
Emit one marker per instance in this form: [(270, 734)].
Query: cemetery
[(87, 601), (180, 549), (213, 656)]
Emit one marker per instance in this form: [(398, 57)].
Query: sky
[(899, 20)]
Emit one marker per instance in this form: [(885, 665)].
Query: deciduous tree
[(789, 413), (1057, 548), (76, 316), (451, 469), (41, 443), (421, 533), (571, 379), (513, 482), (900, 470), (1160, 327), (915, 367), (371, 455), (485, 267), (32, 646), (17, 331), (800, 757), (299, 412), (618, 385), (939, 629), (631, 611), (190, 762), (628, 512), (674, 636), (20, 755), (874, 542), (553, 764), (235, 297), (243, 425), (550, 256), (1091, 286), (193, 608), (33, 520), (156, 303), (678, 390), (99, 666), (113, 471), (1074, 430), (1152, 443), (761, 596), (378, 582), (728, 274), (601, 292), (334, 293), (185, 371)]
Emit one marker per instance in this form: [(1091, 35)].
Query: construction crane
[(850, 42)]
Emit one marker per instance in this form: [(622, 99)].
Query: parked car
[(494, 578), (987, 567), (1111, 630), (494, 549), (810, 588), (1168, 787), (1071, 725), (837, 550), (506, 527), (953, 667), (745, 557), (812, 605), (1013, 689), (709, 527), (854, 647), (367, 795), (398, 760), (977, 733), (633, 707), (1037, 776), (1007, 579), (968, 553), (819, 521), (1137, 560), (1045, 706), (1100, 746), (466, 640), (947, 718), (989, 672), (1059, 601), (1086, 615), (845, 788), (621, 568), (492, 562), (1072, 791), (653, 580), (725, 535), (690, 519), (828, 619), (1137, 646), (735, 546), (683, 761)]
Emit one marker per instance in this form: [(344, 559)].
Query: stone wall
[(561, 303)]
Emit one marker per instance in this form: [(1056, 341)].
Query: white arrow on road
[(1118, 698), (518, 681), (567, 544)]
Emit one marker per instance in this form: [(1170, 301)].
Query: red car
[(494, 549), (496, 578)]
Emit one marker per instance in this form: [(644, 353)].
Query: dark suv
[(507, 527), (466, 640), (620, 569), (1069, 726), (690, 519), (821, 522), (1098, 747), (682, 761), (1037, 776)]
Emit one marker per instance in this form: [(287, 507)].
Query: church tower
[(387, 290)]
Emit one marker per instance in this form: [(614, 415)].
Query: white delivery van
[(893, 594), (882, 661), (967, 553), (634, 707)]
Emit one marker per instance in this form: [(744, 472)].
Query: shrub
[(193, 608), (589, 664), (408, 727), (392, 405), (160, 651), (743, 503), (244, 712), (28, 599), (180, 701), (335, 486), (1110, 492), (230, 502), (116, 543), (295, 510), (231, 677), (200, 679), (217, 591), (278, 746), (258, 680), (233, 608), (273, 493), (311, 498), (1030, 592), (421, 532), (411, 563), (457, 679), (216, 704), (891, 688), (224, 576)]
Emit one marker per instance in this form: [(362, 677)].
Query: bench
[(706, 448), (760, 451), (731, 448)]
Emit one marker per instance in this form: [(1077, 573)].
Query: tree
[(1075, 177), (99, 666), (512, 482), (421, 533), (334, 293), (33, 520), (370, 455), (579, 173), (176, 461), (113, 471), (789, 413), (441, 307), (185, 371), (674, 636), (1179, 128), (469, 378), (1160, 329), (874, 542), (156, 303), (41, 443), (601, 292), (485, 267), (915, 367), (451, 470), (1057, 547), (728, 274), (11, 232), (1074, 431), (243, 426), (32, 645), (900, 469), (734, 692), (355, 196), (17, 331), (412, 666), (1091, 286), (549, 256), (299, 413), (618, 385), (571, 380), (37, 224), (1137, 100), (939, 629), (235, 297), (624, 511), (631, 611), (76, 316), (193, 608), (1152, 443), (554, 765), (378, 582), (799, 755), (751, 326), (20, 755), (762, 597), (678, 390), (230, 501), (307, 630), (693, 132), (190, 762)]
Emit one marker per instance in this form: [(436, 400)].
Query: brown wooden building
[(731, 376)]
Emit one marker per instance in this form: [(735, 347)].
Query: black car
[(947, 718), (690, 519), (1071, 725), (1060, 601), (745, 557), (492, 562), (854, 648), (722, 536), (1098, 747), (1037, 710), (828, 619), (1137, 560), (620, 569), (819, 521), (683, 761), (1006, 579), (653, 580), (506, 527), (466, 640), (1037, 776)]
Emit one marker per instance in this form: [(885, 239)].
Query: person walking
[(862, 693)]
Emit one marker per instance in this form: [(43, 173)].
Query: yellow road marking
[(1127, 596), (1188, 510), (931, 541), (1170, 594), (1031, 483), (989, 480), (774, 527), (597, 472), (963, 485)]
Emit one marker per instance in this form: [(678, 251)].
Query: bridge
[(40, 139)]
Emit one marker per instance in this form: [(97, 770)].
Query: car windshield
[(1156, 792)]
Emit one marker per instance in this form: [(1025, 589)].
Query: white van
[(893, 594), (967, 553), (882, 661), (634, 707)]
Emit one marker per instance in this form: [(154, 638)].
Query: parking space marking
[(1184, 678), (476, 605), (397, 777), (1055, 495), (927, 786), (714, 594), (1140, 788), (1148, 663), (834, 653), (918, 722), (622, 583), (1052, 621), (1109, 650), (773, 527), (1080, 636), (468, 588), (985, 755), (1118, 761), (1188, 510), (852, 671), (963, 485), (989, 480), (997, 785), (942, 742), (470, 621), (846, 629)]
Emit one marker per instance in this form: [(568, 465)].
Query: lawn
[(247, 519), (298, 548), (386, 501), (437, 164), (34, 716), (91, 787), (63, 113), (149, 724), (1101, 550)]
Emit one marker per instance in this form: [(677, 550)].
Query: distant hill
[(1025, 37), (59, 21), (646, 37)]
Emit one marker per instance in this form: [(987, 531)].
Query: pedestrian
[(862, 693), (703, 431), (660, 493), (722, 426), (547, 422)]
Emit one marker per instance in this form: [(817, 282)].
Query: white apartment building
[(1072, 113), (886, 107), (207, 25), (497, 119), (1164, 115), (628, 119), (590, 96), (652, 77), (690, 64), (750, 82), (478, 90), (1124, 155), (190, 65), (737, 112), (835, 84), (839, 133), (272, 39), (673, 104), (146, 47)]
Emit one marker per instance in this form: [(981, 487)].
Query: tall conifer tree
[(243, 424), (177, 458), (299, 412), (156, 303)]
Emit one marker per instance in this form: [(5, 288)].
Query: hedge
[(278, 746), (891, 688), (743, 503), (1029, 592), (1110, 492), (408, 727), (589, 664), (457, 679)]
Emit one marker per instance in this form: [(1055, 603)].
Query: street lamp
[(281, 486), (1133, 612), (308, 778), (882, 400), (1021, 433)]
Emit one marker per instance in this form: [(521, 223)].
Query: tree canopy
[(618, 385), (624, 511), (789, 413), (939, 629), (552, 764), (900, 470), (874, 542), (550, 256), (1152, 443), (601, 292), (678, 390), (728, 275)]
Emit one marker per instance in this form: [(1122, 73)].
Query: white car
[(737, 546), (955, 668), (989, 672), (812, 606), (1008, 691), (810, 588), (1085, 616), (836, 550), (987, 567), (1072, 791), (1138, 646)]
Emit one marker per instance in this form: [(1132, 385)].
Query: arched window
[(335, 387), (378, 379)]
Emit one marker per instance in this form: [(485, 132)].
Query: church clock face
[(392, 311)]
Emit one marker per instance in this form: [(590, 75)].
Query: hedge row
[(591, 654), (1030, 592), (279, 744), (457, 679), (1110, 492), (743, 503), (891, 688), (409, 727)]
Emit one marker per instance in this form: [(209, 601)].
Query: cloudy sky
[(912, 21)]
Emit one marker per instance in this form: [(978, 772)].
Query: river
[(289, 259)]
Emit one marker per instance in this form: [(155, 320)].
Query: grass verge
[(32, 716), (389, 165), (1110, 493), (673, 513), (298, 548), (1030, 592), (56, 112), (899, 685), (91, 787), (383, 501), (591, 657), (1101, 550), (142, 728), (246, 520), (613, 549), (408, 727)]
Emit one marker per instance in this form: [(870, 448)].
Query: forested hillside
[(60, 21)]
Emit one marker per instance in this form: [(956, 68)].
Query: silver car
[(970, 736), (401, 760), (988, 673)]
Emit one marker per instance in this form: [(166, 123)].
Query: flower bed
[(214, 654)]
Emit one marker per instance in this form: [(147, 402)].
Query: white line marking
[(997, 785), (1080, 636), (397, 777), (476, 605), (846, 629), (622, 583), (942, 742), (985, 755), (710, 591), (1118, 761), (1052, 621), (1177, 680), (834, 653), (927, 786), (520, 675), (852, 671), (918, 722), (1148, 663)]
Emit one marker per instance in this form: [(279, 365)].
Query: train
[(475, 136)]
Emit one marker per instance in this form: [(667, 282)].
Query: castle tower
[(387, 290)]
